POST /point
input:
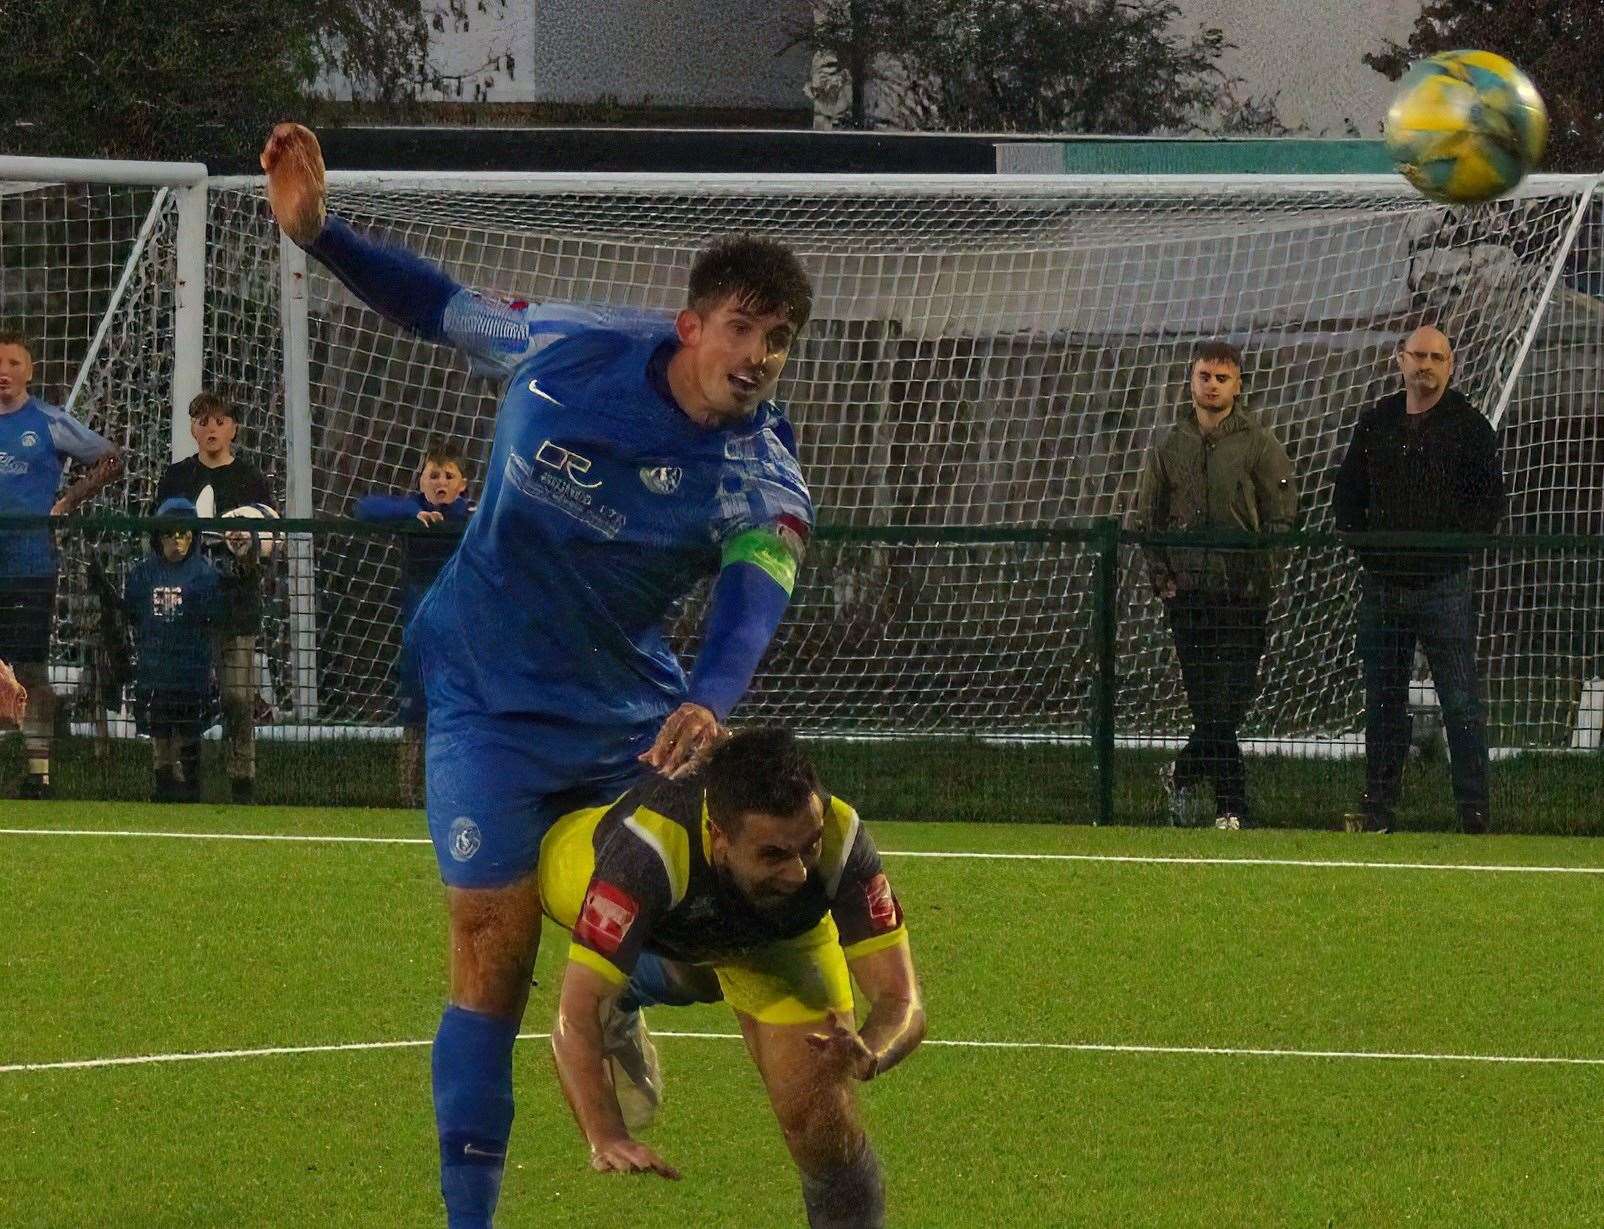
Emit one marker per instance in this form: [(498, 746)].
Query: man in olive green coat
[(1215, 468)]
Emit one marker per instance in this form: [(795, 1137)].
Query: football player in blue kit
[(38, 442), (633, 456)]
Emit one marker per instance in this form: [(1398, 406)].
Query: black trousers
[(1220, 643), (1441, 618)]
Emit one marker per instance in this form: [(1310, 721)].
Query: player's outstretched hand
[(844, 1048), (13, 696), (690, 732), (430, 516), (630, 1156), (293, 161)]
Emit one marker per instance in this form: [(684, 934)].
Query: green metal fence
[(996, 674)]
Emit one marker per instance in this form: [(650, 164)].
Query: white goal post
[(987, 352)]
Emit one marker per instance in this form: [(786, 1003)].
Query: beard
[(768, 911)]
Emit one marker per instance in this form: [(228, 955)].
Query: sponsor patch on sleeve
[(605, 917), (883, 911)]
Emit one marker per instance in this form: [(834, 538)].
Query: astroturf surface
[(123, 946)]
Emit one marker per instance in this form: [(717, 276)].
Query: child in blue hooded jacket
[(175, 599)]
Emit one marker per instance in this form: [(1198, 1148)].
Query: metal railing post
[(1106, 588)]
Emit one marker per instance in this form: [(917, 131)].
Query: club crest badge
[(464, 838)]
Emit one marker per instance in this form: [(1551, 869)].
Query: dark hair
[(1217, 351), (15, 337), (444, 452), (762, 274), (206, 403), (762, 769)]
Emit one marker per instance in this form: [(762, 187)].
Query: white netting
[(87, 274), (984, 353)]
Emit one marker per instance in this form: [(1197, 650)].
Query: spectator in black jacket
[(1422, 460), (217, 480)]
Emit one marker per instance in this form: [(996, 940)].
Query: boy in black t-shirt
[(217, 481)]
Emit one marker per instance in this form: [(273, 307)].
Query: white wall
[(675, 52), (724, 53), (1310, 51), (680, 53)]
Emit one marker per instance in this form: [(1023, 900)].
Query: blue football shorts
[(497, 783)]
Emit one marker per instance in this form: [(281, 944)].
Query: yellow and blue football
[(1466, 126)]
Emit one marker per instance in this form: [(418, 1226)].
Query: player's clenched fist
[(293, 161)]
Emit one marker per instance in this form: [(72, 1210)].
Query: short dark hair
[(206, 403), (762, 274), (762, 769), (1216, 351), (15, 337), (443, 452)]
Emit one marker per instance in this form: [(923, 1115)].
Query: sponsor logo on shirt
[(12, 466), (464, 838), (605, 917), (566, 462), (554, 486), (661, 479), (882, 904)]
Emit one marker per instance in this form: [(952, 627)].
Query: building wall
[(726, 53), (672, 53), (1310, 51)]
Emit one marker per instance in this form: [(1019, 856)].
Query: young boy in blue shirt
[(441, 505)]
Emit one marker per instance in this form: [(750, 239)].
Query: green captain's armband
[(771, 548)]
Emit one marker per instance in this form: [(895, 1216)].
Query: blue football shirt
[(36, 441), (602, 507)]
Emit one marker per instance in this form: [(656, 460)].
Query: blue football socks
[(473, 1111)]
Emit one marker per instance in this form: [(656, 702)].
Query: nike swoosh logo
[(470, 1150), (534, 387)]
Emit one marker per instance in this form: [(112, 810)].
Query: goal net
[(988, 356)]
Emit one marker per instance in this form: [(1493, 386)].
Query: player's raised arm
[(402, 287)]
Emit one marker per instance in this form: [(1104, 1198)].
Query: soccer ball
[(1466, 126), (241, 542)]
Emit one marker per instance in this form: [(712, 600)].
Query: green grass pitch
[(130, 946)]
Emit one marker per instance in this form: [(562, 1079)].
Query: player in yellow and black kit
[(745, 882)]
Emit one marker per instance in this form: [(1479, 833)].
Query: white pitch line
[(314, 839), (1076, 1047), (1334, 863), (1134, 859)]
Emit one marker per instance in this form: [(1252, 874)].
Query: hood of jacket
[(175, 505)]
